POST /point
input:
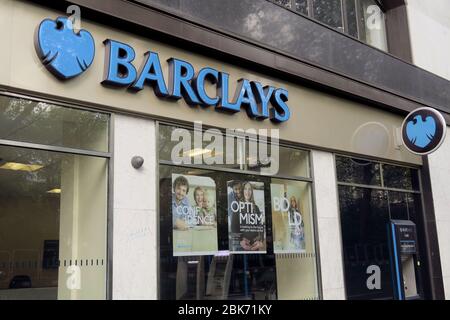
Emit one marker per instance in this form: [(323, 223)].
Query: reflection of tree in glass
[(358, 171), (328, 12), (45, 123), (400, 177), (165, 143)]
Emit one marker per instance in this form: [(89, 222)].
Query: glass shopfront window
[(48, 124), (228, 233), (53, 202), (370, 195)]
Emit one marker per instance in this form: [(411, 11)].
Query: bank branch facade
[(136, 167)]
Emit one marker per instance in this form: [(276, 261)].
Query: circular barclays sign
[(423, 131)]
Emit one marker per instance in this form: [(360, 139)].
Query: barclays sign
[(67, 54), (423, 131)]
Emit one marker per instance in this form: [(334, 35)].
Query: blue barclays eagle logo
[(65, 53), (421, 133)]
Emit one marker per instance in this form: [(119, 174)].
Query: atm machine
[(404, 258)]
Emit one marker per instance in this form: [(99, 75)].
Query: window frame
[(282, 143), (108, 156), (383, 188)]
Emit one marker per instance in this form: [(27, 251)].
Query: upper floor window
[(362, 19)]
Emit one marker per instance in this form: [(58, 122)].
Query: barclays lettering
[(184, 83), (67, 54)]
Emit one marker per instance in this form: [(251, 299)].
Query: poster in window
[(287, 219), (194, 219), (246, 217)]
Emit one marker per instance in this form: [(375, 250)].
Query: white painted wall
[(440, 176), (429, 23), (135, 218), (328, 226)]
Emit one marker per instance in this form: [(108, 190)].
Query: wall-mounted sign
[(64, 52), (67, 54), (423, 131)]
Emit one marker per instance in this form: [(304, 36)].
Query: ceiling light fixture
[(15, 166), (196, 152), (56, 190)]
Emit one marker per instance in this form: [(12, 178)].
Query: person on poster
[(193, 215), (251, 240), (236, 196), (205, 212), (180, 204), (297, 234)]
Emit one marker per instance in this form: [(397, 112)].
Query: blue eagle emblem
[(421, 133), (65, 53)]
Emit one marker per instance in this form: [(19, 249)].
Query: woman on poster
[(296, 225), (253, 235)]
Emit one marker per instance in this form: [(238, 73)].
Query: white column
[(6, 34), (135, 219), (330, 242), (439, 163)]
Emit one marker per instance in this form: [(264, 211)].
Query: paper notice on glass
[(194, 217), (287, 219), (246, 217)]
